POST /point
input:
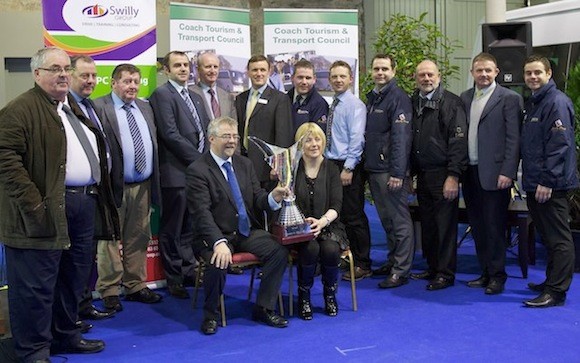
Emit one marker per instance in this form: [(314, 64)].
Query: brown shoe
[(359, 274)]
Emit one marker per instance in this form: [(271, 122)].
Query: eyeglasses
[(58, 70), (227, 137)]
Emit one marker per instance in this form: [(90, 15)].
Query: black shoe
[(384, 270), (209, 326), (545, 300), (95, 314), (304, 309), (112, 303), (269, 317), (425, 275), (359, 274), (494, 287), (482, 281), (304, 304), (439, 283), (145, 295), (84, 327), (537, 287), (393, 281), (178, 291), (84, 346), (235, 270), (330, 304)]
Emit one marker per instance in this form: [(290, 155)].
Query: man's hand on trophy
[(280, 192), (316, 225), (273, 174), (222, 256)]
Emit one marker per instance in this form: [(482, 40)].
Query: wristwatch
[(348, 170)]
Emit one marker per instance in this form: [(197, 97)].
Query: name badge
[(377, 110), (302, 112), (263, 101)]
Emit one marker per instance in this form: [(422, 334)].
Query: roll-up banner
[(110, 31), (195, 29), (321, 36)]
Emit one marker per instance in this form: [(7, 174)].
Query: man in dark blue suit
[(494, 115), (181, 122), (222, 191)]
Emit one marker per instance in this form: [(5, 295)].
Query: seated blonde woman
[(319, 195)]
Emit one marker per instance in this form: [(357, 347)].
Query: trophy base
[(283, 236)]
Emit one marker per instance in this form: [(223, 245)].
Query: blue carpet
[(407, 324)]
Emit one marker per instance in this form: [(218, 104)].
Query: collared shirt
[(132, 175), (78, 168), (348, 130), (260, 92), (271, 201), (477, 105), (177, 86)]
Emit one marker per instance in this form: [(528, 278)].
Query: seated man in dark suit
[(222, 189)]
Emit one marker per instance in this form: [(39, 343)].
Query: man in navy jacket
[(387, 149), (549, 167)]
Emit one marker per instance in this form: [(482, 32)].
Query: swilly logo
[(95, 11)]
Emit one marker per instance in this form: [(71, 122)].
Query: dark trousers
[(551, 220), (176, 236), (323, 250), (439, 218), (46, 285), (487, 213), (354, 218), (274, 258)]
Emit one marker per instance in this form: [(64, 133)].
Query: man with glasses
[(222, 190), (54, 181)]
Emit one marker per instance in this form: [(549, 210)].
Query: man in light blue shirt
[(345, 130)]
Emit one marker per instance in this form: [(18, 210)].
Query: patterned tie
[(140, 159), (243, 220), (329, 122), (478, 94), (253, 101), (197, 121), (85, 143), (215, 107)]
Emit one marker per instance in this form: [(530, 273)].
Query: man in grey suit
[(265, 113), (494, 116), (217, 101), (181, 123), (129, 125)]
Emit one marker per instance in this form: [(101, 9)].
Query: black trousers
[(551, 220), (46, 285), (439, 218), (487, 213), (274, 257), (176, 237), (354, 218)]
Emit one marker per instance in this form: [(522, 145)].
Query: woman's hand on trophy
[(316, 225)]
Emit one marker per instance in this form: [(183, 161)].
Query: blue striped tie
[(243, 220), (201, 143), (140, 160)]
